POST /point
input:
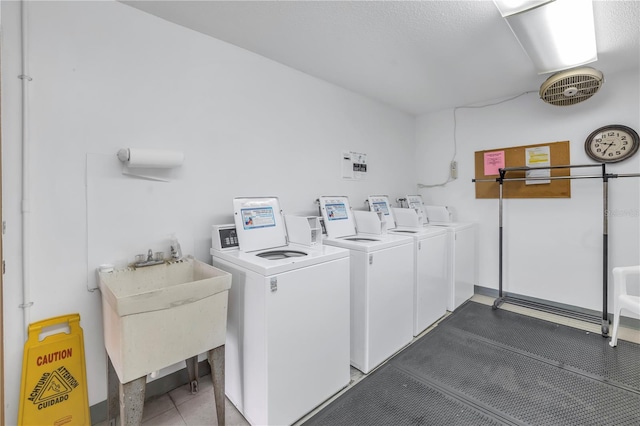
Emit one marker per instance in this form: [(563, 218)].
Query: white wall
[(553, 247), (107, 76)]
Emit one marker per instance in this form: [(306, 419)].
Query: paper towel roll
[(151, 158)]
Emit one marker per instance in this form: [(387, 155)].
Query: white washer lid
[(259, 223), (407, 218), (315, 255), (438, 214), (369, 243), (380, 203), (420, 232), (338, 217)]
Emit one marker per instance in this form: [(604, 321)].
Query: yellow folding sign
[(54, 380)]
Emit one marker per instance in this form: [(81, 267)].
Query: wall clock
[(613, 143)]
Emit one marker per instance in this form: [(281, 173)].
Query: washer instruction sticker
[(336, 211), (381, 206), (415, 205), (258, 218)]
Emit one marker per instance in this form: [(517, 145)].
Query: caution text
[(54, 356)]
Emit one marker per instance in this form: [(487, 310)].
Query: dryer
[(381, 271), (430, 253), (287, 347)]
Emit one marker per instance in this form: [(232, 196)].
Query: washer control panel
[(224, 237)]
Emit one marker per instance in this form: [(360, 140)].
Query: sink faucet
[(150, 260)]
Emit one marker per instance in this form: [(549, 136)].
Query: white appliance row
[(301, 313)]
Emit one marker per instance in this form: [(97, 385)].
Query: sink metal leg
[(113, 408), (192, 371), (132, 401), (126, 400), (216, 362)]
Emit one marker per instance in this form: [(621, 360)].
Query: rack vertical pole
[(605, 251), (500, 300)]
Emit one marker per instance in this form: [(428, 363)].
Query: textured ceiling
[(416, 56)]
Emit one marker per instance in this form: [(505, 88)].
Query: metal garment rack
[(605, 236)]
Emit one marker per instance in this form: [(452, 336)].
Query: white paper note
[(538, 157)]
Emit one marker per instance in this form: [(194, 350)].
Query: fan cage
[(586, 82)]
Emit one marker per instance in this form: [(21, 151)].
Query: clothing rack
[(605, 235)]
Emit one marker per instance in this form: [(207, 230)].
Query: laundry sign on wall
[(539, 156), (354, 165)]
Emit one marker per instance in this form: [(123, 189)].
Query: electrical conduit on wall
[(25, 206)]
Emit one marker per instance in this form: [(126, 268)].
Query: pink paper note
[(493, 162)]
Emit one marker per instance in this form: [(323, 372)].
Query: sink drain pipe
[(25, 204)]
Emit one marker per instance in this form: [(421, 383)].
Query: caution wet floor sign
[(54, 387)]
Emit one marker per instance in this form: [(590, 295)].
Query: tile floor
[(180, 408)]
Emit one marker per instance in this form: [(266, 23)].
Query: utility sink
[(160, 315)]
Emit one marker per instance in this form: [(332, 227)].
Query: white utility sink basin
[(159, 315)]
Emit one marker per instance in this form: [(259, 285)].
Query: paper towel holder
[(150, 158), (123, 155)]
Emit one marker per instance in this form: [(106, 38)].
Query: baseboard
[(155, 388)]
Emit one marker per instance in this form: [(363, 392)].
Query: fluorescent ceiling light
[(509, 7), (556, 35)]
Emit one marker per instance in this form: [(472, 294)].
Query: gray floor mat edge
[(500, 379)]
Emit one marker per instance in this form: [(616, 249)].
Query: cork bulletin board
[(516, 157)]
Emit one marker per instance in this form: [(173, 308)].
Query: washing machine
[(381, 268), (287, 347), (463, 272), (430, 253)]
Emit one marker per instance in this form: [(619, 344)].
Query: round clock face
[(610, 144)]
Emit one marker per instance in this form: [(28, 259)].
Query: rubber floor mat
[(589, 353), (395, 398), (481, 366)]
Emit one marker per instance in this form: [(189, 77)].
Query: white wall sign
[(538, 157), (354, 165)]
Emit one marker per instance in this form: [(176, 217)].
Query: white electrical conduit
[(26, 208)]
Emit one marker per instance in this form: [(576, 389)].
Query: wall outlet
[(454, 170)]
